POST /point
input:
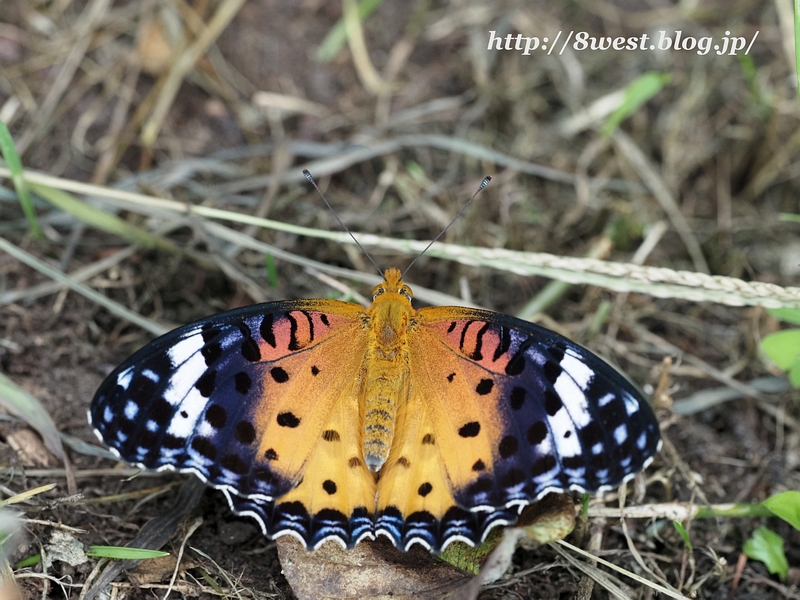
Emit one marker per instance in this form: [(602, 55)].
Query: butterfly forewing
[(230, 398)]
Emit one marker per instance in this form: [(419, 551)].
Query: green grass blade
[(638, 91), (14, 163), (797, 44), (100, 219), (124, 553), (337, 36)]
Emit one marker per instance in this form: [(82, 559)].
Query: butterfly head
[(392, 284)]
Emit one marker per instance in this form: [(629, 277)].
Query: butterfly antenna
[(483, 184), (325, 200)]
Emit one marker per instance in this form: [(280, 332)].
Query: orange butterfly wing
[(262, 403), (276, 405)]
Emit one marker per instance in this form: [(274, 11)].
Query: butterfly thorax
[(385, 368)]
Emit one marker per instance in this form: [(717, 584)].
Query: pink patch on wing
[(465, 337)]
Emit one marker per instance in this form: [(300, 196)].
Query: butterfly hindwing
[(520, 411)]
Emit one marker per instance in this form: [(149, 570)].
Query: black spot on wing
[(331, 435), (245, 432), (250, 350), (552, 370), (552, 402), (544, 465), (204, 447), (471, 429), (477, 352), (211, 351), (517, 397), (207, 383), (484, 387), (160, 411), (508, 446), (266, 329), (279, 375), (287, 419), (234, 464), (242, 382), (216, 416)]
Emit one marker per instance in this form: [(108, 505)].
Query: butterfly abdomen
[(385, 372)]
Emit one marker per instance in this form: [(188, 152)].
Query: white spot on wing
[(184, 378), (193, 404), (621, 434), (605, 399), (204, 429), (185, 349), (578, 369), (124, 378), (151, 375), (574, 400), (631, 404), (560, 424), (131, 410)]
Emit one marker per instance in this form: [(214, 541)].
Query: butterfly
[(324, 420)]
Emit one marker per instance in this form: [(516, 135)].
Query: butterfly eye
[(405, 293), (378, 292)]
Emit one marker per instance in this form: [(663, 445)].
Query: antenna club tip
[(488, 178), (307, 175)]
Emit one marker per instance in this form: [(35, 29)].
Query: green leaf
[(124, 553), (638, 91), (785, 505), (789, 216), (790, 315), (794, 375), (683, 533), (11, 157), (767, 546), (783, 348)]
